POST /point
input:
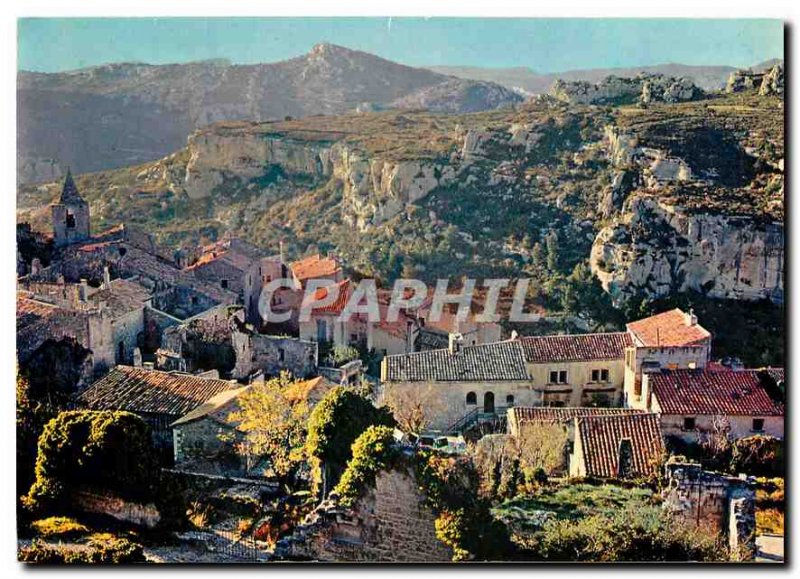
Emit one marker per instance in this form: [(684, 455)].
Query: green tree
[(335, 423), (104, 450), (551, 242)]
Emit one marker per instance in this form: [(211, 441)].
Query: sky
[(544, 45)]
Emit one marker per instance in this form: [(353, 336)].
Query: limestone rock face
[(773, 81), (373, 189), (645, 88), (656, 249)]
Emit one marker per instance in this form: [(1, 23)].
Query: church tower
[(70, 215)]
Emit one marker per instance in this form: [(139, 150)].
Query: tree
[(551, 241), (541, 446), (105, 450), (275, 427), (335, 423), (413, 406)]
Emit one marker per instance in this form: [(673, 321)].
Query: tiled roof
[(727, 392), (567, 348), (218, 407), (668, 329), (522, 414), (31, 310), (122, 297), (151, 391), (484, 362), (314, 266), (601, 437), (337, 306)]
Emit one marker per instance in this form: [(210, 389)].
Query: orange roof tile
[(668, 329), (338, 304), (601, 437), (314, 266), (728, 392)]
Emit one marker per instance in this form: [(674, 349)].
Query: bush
[(105, 450), (372, 452), (334, 425), (100, 549), (635, 534), (758, 456), (61, 527)]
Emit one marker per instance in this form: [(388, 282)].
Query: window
[(224, 284), (70, 220), (510, 400), (604, 375), (123, 251), (558, 377), (595, 375), (562, 377), (553, 377), (472, 399), (688, 423), (758, 425), (281, 355)]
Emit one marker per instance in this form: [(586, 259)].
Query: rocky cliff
[(656, 249), (644, 88)]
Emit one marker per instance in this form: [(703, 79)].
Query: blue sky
[(545, 45)]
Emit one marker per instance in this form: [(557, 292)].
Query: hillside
[(673, 197), (127, 113), (527, 80)]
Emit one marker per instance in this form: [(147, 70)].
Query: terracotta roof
[(727, 392), (218, 408), (314, 266), (337, 306), (484, 362), (668, 329), (31, 310), (151, 391), (522, 414), (566, 348), (600, 438)]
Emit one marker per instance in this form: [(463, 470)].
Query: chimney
[(280, 251), (106, 278), (455, 343), (690, 319), (514, 335), (36, 266)]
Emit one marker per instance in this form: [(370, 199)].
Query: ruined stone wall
[(713, 502), (207, 446), (272, 354), (389, 524)]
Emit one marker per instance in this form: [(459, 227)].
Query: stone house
[(670, 340), (472, 382), (109, 320), (621, 446), (578, 370), (693, 403), (159, 398), (204, 439), (433, 334)]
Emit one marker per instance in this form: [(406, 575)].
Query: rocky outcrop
[(656, 249), (772, 83), (645, 89), (373, 189)]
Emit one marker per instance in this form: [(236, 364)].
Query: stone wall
[(120, 509), (713, 502), (271, 354), (389, 524)]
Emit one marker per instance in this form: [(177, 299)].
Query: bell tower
[(70, 215)]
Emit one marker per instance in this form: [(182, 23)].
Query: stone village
[(178, 338)]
